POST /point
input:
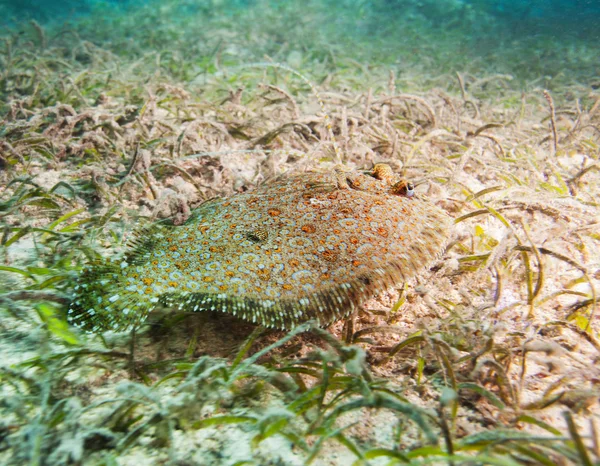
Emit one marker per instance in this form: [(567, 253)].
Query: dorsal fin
[(142, 242)]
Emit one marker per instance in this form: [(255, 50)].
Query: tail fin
[(103, 300)]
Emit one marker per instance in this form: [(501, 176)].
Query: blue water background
[(519, 17)]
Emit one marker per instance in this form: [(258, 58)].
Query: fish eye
[(404, 188)]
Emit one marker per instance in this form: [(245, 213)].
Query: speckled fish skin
[(310, 246)]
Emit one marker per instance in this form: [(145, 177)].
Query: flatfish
[(306, 246)]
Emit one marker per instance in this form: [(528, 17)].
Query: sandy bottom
[(501, 333)]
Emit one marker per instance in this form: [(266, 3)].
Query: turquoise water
[(526, 39), (570, 17)]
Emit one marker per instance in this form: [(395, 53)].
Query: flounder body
[(310, 246)]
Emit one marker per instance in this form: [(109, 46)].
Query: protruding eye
[(403, 188), (382, 171)]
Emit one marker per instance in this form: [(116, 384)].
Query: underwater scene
[(259, 232)]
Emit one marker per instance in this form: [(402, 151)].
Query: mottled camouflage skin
[(310, 246)]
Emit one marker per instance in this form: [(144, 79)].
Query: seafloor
[(133, 113)]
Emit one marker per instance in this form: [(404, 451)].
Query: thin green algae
[(488, 357)]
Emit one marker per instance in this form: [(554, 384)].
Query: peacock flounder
[(309, 246)]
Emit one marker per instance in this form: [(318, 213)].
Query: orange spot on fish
[(382, 232), (308, 228)]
